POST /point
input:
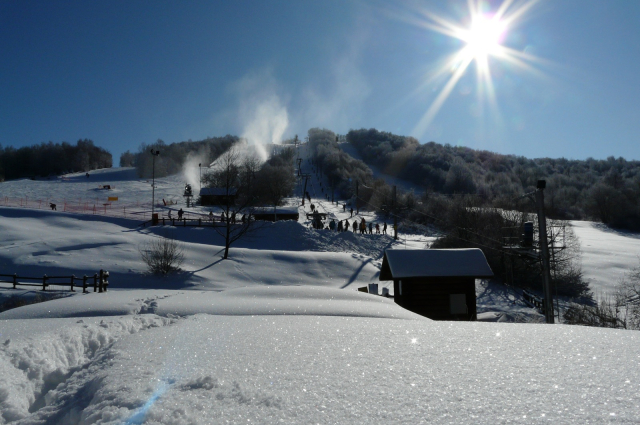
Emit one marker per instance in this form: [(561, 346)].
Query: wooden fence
[(533, 300), (99, 281)]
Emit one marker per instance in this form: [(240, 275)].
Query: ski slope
[(278, 333)]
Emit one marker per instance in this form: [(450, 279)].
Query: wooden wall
[(429, 297)]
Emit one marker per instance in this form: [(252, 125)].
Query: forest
[(602, 190), (51, 158), (173, 156)]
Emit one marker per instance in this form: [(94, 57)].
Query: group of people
[(232, 219), (363, 227)]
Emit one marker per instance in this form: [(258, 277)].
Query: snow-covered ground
[(277, 333)]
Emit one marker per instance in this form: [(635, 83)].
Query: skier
[(370, 228), (351, 211), (211, 215), (53, 207), (332, 225), (180, 212), (222, 217), (384, 228), (355, 226), (169, 215), (233, 218), (339, 226), (313, 208), (377, 229), (346, 225)]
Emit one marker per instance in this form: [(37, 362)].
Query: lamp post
[(154, 153)]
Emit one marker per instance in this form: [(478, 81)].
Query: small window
[(458, 303)]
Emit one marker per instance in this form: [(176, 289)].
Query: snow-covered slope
[(277, 333)]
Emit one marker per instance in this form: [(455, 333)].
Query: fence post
[(101, 277), (72, 279), (199, 222), (44, 282), (15, 280), (184, 223), (84, 284), (105, 281), (95, 282)]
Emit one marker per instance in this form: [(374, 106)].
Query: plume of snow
[(262, 113)]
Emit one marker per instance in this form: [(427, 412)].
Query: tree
[(233, 173)]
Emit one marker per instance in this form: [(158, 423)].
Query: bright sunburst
[(483, 38)]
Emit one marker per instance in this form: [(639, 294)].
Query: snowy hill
[(277, 333)]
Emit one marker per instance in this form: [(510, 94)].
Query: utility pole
[(544, 250), (395, 216), (154, 153), (304, 191), (357, 208)]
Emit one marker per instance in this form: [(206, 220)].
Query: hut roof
[(401, 263), (279, 210)]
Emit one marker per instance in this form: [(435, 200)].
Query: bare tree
[(234, 173)]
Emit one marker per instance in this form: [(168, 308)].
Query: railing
[(533, 300), (99, 281)]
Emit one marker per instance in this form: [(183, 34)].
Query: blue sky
[(124, 73)]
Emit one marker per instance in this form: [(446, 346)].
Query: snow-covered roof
[(401, 263), (217, 191), (279, 210)]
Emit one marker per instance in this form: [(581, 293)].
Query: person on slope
[(355, 226), (180, 213), (384, 228), (370, 228)]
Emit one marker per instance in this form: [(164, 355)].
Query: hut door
[(458, 303)]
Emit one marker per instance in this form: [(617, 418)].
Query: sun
[(484, 36)]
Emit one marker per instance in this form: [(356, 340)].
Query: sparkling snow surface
[(310, 369)]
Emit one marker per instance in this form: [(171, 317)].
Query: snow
[(310, 369), (278, 333), (247, 301), (607, 254)]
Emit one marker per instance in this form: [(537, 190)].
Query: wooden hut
[(217, 196), (277, 214), (436, 283)]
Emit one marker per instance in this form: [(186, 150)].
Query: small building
[(436, 283), (218, 196), (277, 214)]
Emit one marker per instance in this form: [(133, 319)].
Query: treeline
[(52, 159), (254, 183), (603, 190), (340, 168), (172, 157)]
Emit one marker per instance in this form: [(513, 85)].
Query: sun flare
[(484, 37)]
